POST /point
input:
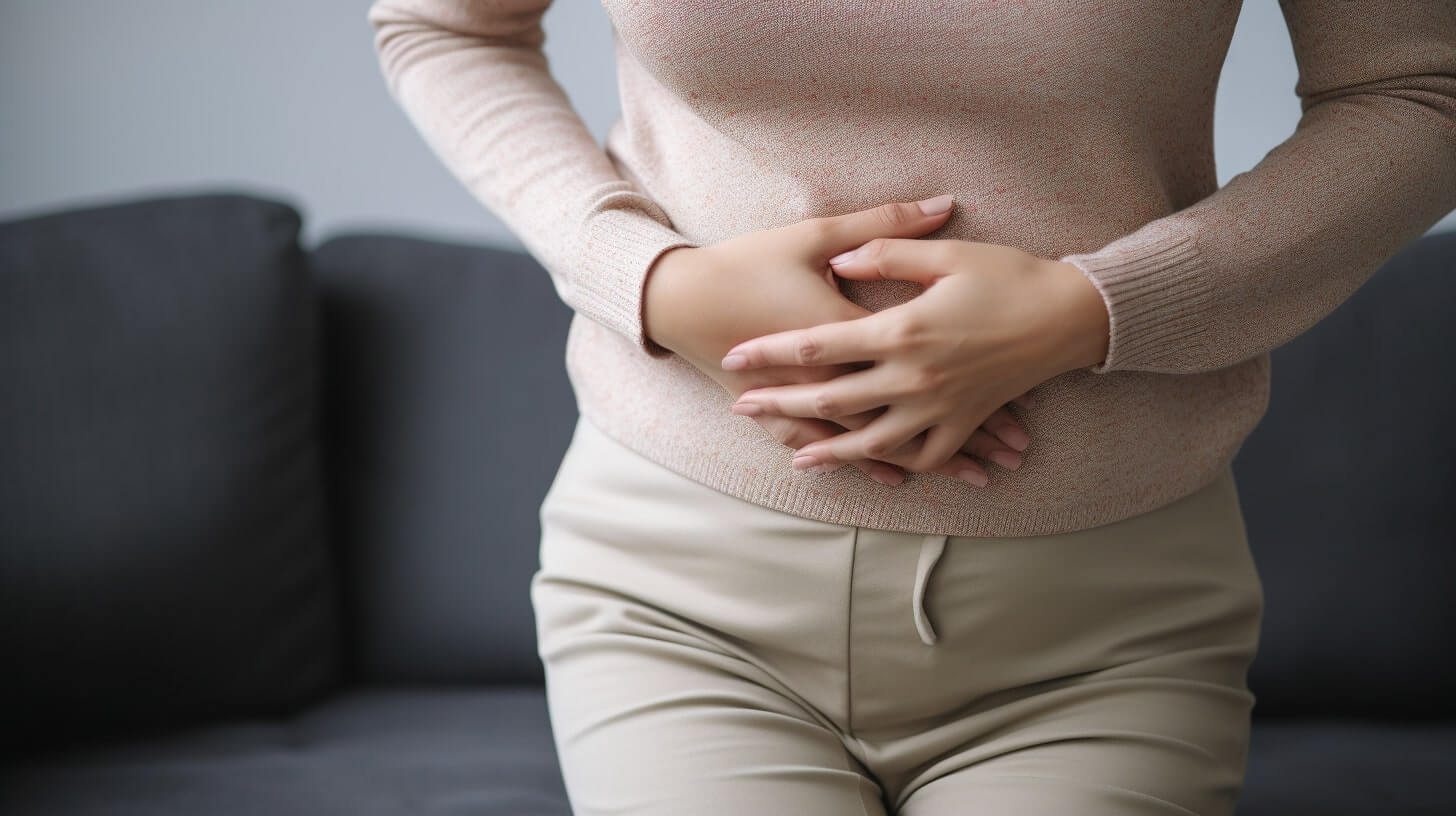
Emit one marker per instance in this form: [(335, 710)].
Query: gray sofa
[(268, 516)]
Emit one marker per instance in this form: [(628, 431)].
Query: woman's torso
[(1056, 132)]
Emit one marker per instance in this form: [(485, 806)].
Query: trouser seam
[(848, 664), (849, 636)]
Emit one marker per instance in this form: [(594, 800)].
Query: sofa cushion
[(447, 412), (1349, 767), (164, 556), (380, 751), (1346, 490)]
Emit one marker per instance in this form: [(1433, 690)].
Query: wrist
[(1086, 323), (661, 296)]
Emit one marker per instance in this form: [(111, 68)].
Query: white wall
[(106, 99)]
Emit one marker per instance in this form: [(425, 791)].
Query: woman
[(730, 622)]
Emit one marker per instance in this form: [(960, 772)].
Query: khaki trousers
[(705, 655)]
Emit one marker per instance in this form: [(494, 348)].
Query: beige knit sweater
[(1080, 130)]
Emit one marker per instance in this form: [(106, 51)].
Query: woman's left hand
[(992, 322)]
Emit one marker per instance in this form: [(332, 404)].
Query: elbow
[(406, 37), (387, 20), (1421, 95), (506, 23), (1417, 110), (408, 32), (1433, 97), (396, 32)]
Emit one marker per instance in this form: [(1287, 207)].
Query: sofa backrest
[(163, 558), (446, 412)]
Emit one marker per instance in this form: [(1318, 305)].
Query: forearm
[(663, 298), (1369, 168), (474, 81)]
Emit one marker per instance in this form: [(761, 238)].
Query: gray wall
[(109, 99)]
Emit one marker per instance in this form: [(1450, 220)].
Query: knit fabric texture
[(1079, 131)]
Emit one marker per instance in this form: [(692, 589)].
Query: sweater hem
[(794, 493)]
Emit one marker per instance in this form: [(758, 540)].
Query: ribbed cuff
[(1158, 293), (620, 247)]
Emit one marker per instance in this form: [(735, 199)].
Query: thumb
[(898, 219)]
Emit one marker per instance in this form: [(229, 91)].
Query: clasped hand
[(992, 322), (919, 385)]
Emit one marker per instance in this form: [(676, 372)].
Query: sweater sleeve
[(473, 79), (1370, 167)]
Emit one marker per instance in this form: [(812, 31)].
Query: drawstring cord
[(931, 548)]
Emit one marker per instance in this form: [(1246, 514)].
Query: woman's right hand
[(702, 301)]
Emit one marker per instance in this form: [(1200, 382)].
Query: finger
[(845, 395), (990, 448), (941, 443), (852, 422), (856, 421), (959, 465), (1026, 400), (920, 260), (844, 341), (888, 470), (966, 469), (830, 235), (795, 433), (1004, 426), (859, 420), (876, 440)]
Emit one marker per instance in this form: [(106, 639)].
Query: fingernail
[(937, 205), (1006, 459), (843, 257), (1016, 438), (747, 408), (804, 462), (974, 477), (734, 361)]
